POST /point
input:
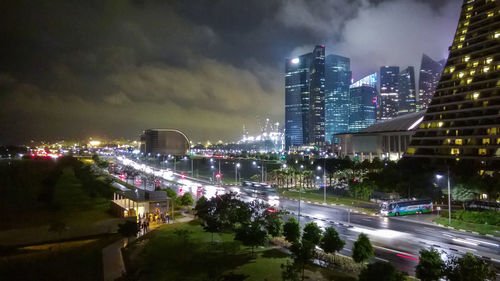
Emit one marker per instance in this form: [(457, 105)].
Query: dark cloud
[(114, 67)]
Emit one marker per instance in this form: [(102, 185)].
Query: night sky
[(76, 69)]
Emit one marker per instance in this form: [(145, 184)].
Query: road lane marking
[(482, 242), (395, 251), (381, 259)]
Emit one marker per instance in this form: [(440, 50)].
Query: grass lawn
[(78, 260), (164, 255), (481, 228), (362, 205)]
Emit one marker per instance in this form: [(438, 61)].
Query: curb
[(463, 230), (327, 205)]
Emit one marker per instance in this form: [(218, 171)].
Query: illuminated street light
[(319, 168), (449, 194), (284, 166)]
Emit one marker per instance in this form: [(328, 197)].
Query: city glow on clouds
[(115, 68)]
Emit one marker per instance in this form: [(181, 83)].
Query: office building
[(407, 94), (462, 120), (363, 108), (430, 72), (338, 78), (388, 96), (317, 97), (297, 100)]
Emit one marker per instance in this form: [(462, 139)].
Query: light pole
[(449, 194), (300, 189), (236, 172), (213, 172)]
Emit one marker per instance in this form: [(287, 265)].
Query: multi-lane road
[(395, 240)]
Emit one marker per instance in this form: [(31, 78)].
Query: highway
[(395, 240)]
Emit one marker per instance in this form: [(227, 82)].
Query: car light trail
[(464, 241), (407, 257)]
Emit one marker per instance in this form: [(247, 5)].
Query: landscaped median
[(358, 205), (480, 222)]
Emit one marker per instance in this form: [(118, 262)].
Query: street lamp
[(236, 172), (449, 194)]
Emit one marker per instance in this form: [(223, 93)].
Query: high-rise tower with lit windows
[(462, 120), (388, 94)]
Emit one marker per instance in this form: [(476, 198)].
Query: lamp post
[(236, 172), (300, 190), (449, 193)]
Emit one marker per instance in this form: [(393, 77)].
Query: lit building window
[(462, 38), (452, 68), (469, 80), (464, 31), (440, 124), (489, 60), (460, 75), (476, 63), (475, 96), (459, 46), (466, 58), (455, 151), (497, 34), (466, 23), (472, 72), (482, 151), (486, 69), (458, 141), (486, 141), (490, 14)]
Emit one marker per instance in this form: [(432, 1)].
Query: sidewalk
[(112, 260)]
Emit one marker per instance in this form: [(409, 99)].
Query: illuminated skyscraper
[(407, 99), (317, 97), (462, 120), (297, 100), (430, 72), (363, 109), (338, 78), (388, 96)]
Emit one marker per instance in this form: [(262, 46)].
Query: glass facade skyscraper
[(317, 97), (363, 109), (388, 97), (462, 120), (430, 72), (297, 100), (338, 78), (407, 102)]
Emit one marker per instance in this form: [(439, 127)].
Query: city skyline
[(117, 72)]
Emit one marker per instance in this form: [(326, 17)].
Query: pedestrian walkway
[(112, 261)]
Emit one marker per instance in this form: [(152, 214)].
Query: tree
[(331, 242), (462, 193), (212, 224), (187, 199), (431, 266), (273, 223), (171, 193), (469, 268), (202, 208), (362, 249), (251, 235), (312, 233), (302, 253), (128, 229), (291, 230), (289, 272), (381, 271), (361, 190)]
